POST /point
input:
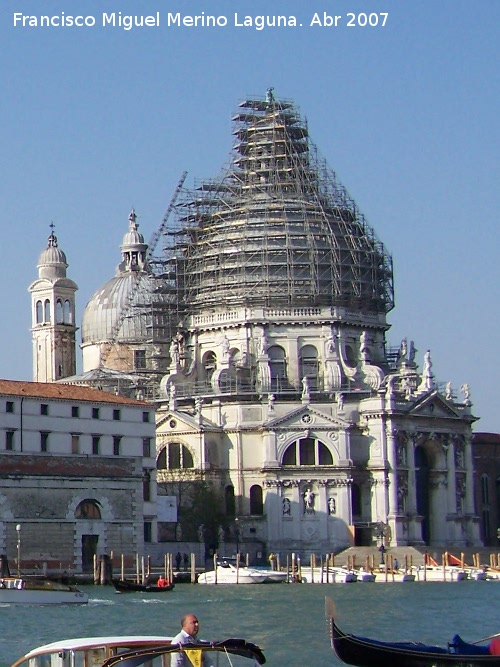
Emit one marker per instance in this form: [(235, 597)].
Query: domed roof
[(278, 229), (52, 261), (132, 298), (133, 291)]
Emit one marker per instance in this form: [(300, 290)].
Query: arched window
[(174, 456), (485, 496), (256, 503), (88, 509), (308, 362), (67, 314), (46, 311), (277, 366), (59, 311), (39, 312), (307, 452), (230, 501), (209, 365)]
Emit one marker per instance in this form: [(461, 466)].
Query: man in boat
[(188, 635)]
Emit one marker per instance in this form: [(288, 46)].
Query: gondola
[(364, 652), (127, 586)]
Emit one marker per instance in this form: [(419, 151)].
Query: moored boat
[(39, 590), (226, 573), (363, 652), (128, 586)]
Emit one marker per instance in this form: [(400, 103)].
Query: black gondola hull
[(126, 586), (364, 652)]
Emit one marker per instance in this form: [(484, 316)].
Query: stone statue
[(308, 500), (263, 343), (306, 394), (340, 401), (412, 352), (225, 347), (403, 350), (174, 352), (271, 399), (332, 506), (448, 392), (465, 389), (286, 507)]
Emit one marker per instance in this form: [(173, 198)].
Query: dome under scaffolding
[(278, 229)]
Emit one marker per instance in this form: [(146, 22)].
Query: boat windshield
[(231, 652)]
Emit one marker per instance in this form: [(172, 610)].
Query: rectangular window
[(9, 441), (116, 444), (148, 531), (95, 413), (146, 447), (75, 443), (116, 415), (44, 441), (9, 406), (95, 444), (139, 359), (44, 409), (145, 416), (75, 411)]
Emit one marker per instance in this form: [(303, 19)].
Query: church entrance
[(89, 550)]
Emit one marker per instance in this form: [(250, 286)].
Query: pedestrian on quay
[(186, 561), (178, 560)]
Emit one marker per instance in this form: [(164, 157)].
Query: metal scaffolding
[(277, 228)]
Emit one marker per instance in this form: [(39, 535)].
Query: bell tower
[(53, 316)]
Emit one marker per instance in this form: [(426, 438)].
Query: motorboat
[(129, 586), (88, 650), (328, 575), (135, 650), (226, 573), (439, 573), (39, 590), (363, 652), (273, 576)]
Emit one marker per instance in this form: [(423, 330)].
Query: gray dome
[(110, 301), (134, 298)]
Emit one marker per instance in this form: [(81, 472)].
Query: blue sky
[(95, 121)]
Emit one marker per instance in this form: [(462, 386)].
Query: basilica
[(256, 321)]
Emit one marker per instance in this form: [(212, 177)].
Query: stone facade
[(77, 474)]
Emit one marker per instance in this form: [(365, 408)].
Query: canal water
[(287, 621)]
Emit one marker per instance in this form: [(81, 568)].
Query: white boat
[(133, 650), (38, 590), (437, 573), (87, 651), (227, 573), (476, 574), (273, 576), (330, 575)]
